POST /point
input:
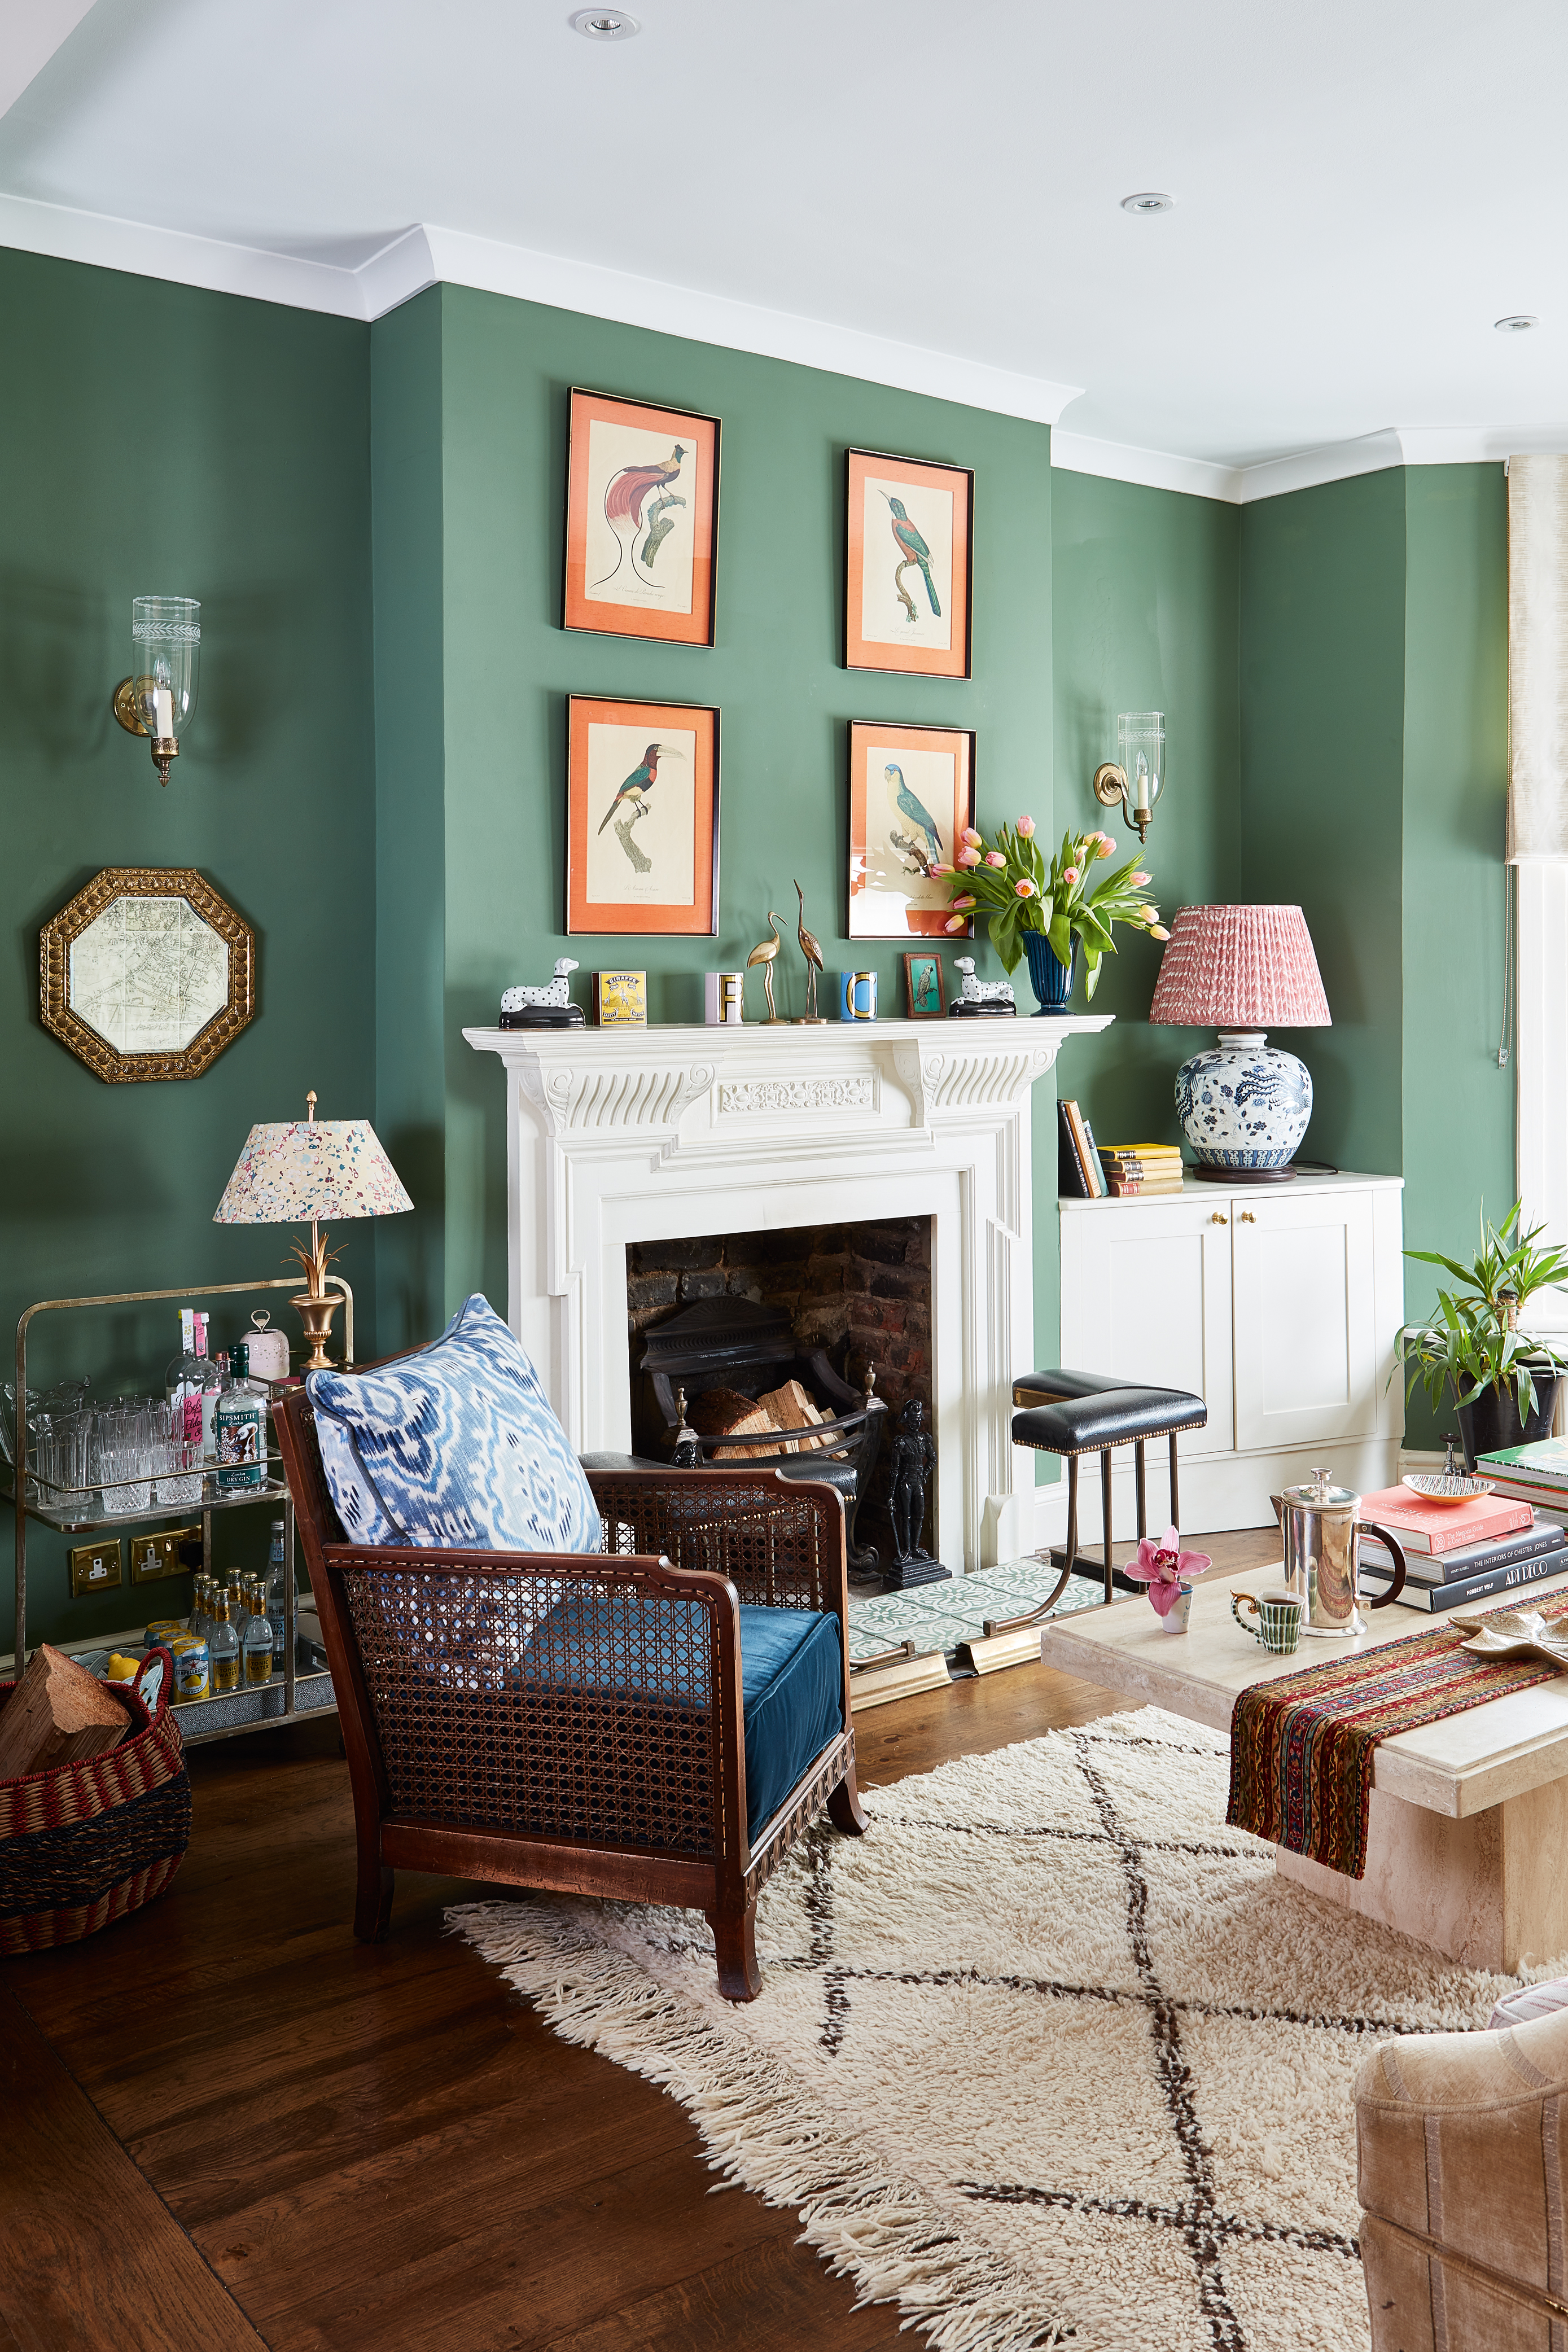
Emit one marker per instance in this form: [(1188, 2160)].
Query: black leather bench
[(1074, 1413)]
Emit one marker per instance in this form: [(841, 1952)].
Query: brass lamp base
[(316, 1315)]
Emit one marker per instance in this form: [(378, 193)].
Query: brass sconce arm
[(123, 703)]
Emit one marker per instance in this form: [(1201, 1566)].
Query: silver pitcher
[(1322, 1531)]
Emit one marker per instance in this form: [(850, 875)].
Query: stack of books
[(1079, 1176), (1140, 1168), (1456, 1552), (1537, 1474)]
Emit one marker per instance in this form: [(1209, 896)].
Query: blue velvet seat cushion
[(792, 1675), (453, 1445)]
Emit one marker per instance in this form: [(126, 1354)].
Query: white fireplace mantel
[(653, 1134)]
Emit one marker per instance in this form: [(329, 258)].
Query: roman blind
[(1537, 659)]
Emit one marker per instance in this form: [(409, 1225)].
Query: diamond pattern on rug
[(1050, 2057)]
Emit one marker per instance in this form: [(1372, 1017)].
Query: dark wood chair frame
[(801, 1563)]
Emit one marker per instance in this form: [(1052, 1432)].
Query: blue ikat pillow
[(456, 1444)]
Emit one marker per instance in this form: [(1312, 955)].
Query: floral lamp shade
[(1240, 968), (1244, 1105), (302, 1171)]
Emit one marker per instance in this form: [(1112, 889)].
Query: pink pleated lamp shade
[(1240, 968)]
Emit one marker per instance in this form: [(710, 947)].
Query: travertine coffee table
[(1468, 1843)]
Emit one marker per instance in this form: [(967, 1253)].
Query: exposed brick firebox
[(862, 1292)]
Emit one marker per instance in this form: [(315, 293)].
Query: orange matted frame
[(921, 922), (922, 661), (698, 434), (700, 919)]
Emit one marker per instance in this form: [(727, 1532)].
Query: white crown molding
[(1371, 453), (492, 268), (104, 242), (1151, 470)]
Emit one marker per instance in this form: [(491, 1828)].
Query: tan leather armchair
[(1463, 2149)]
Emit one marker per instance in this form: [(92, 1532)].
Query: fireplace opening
[(855, 1298)]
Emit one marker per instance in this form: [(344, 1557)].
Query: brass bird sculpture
[(764, 953), (813, 954)]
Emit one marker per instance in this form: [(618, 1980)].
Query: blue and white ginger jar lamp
[(1244, 1105)]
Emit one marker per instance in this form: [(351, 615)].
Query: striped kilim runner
[(1301, 1748)]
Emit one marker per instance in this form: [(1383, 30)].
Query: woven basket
[(87, 1843)]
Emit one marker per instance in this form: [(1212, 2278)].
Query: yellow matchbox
[(620, 1000)]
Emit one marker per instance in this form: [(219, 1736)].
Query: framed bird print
[(907, 546), (642, 818), (911, 795), (923, 986), (642, 519)]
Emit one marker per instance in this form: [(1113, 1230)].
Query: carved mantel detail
[(738, 1097)]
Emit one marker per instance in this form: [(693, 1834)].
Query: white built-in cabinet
[(1278, 1304)]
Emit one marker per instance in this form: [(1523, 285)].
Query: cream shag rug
[(1050, 2056)]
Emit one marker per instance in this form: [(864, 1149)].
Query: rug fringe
[(882, 2233)]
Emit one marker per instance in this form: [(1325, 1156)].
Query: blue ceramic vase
[(1051, 981), (1243, 1104)]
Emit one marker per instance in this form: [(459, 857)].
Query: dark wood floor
[(223, 2123)]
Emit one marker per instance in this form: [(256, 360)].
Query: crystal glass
[(166, 648), (1140, 753), (62, 1453), (176, 1456), (122, 1444)]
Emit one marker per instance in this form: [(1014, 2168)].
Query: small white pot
[(1174, 1620)]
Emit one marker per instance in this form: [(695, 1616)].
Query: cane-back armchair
[(631, 1722)]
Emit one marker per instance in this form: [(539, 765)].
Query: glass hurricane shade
[(1244, 1105), (308, 1172), (166, 655), (1140, 755)]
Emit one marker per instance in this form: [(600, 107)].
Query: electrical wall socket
[(95, 1567), (152, 1557)]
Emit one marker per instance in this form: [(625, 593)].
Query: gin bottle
[(192, 1383)]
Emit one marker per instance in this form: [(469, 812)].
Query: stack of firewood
[(725, 1412), (59, 1714)]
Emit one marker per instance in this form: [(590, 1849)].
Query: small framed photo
[(906, 565), (620, 1000), (642, 818), (911, 795), (923, 987), (642, 519)]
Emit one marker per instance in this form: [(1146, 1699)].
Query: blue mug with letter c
[(857, 996)]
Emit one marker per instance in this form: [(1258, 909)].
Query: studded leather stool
[(1074, 1413)]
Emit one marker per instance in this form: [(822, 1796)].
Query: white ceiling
[(927, 191)]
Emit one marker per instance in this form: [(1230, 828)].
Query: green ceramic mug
[(1277, 1616)]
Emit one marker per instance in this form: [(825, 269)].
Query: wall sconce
[(1136, 777), (158, 697)]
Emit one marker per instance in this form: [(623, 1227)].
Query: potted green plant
[(1046, 914), (1504, 1383)]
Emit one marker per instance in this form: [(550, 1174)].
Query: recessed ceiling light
[(604, 25), (1516, 324), (1150, 200)]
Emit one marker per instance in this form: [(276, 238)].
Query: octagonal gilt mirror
[(147, 973)]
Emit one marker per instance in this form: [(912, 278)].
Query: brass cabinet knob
[(1217, 1220), (1248, 1218)]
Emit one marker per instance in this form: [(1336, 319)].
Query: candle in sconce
[(1141, 797), (163, 712)]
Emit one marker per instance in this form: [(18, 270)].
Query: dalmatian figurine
[(554, 993), (997, 993), (549, 1007)]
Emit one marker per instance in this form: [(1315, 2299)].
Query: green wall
[(160, 439), (1322, 720), (1145, 617), (1458, 1104), (775, 673)]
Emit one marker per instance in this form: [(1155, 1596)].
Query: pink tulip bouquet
[(1169, 1572), (1011, 886)]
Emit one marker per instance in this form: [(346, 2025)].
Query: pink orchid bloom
[(1164, 1568), (956, 923), (970, 839), (1025, 825), (969, 856), (994, 857), (1069, 873), (1026, 888)]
